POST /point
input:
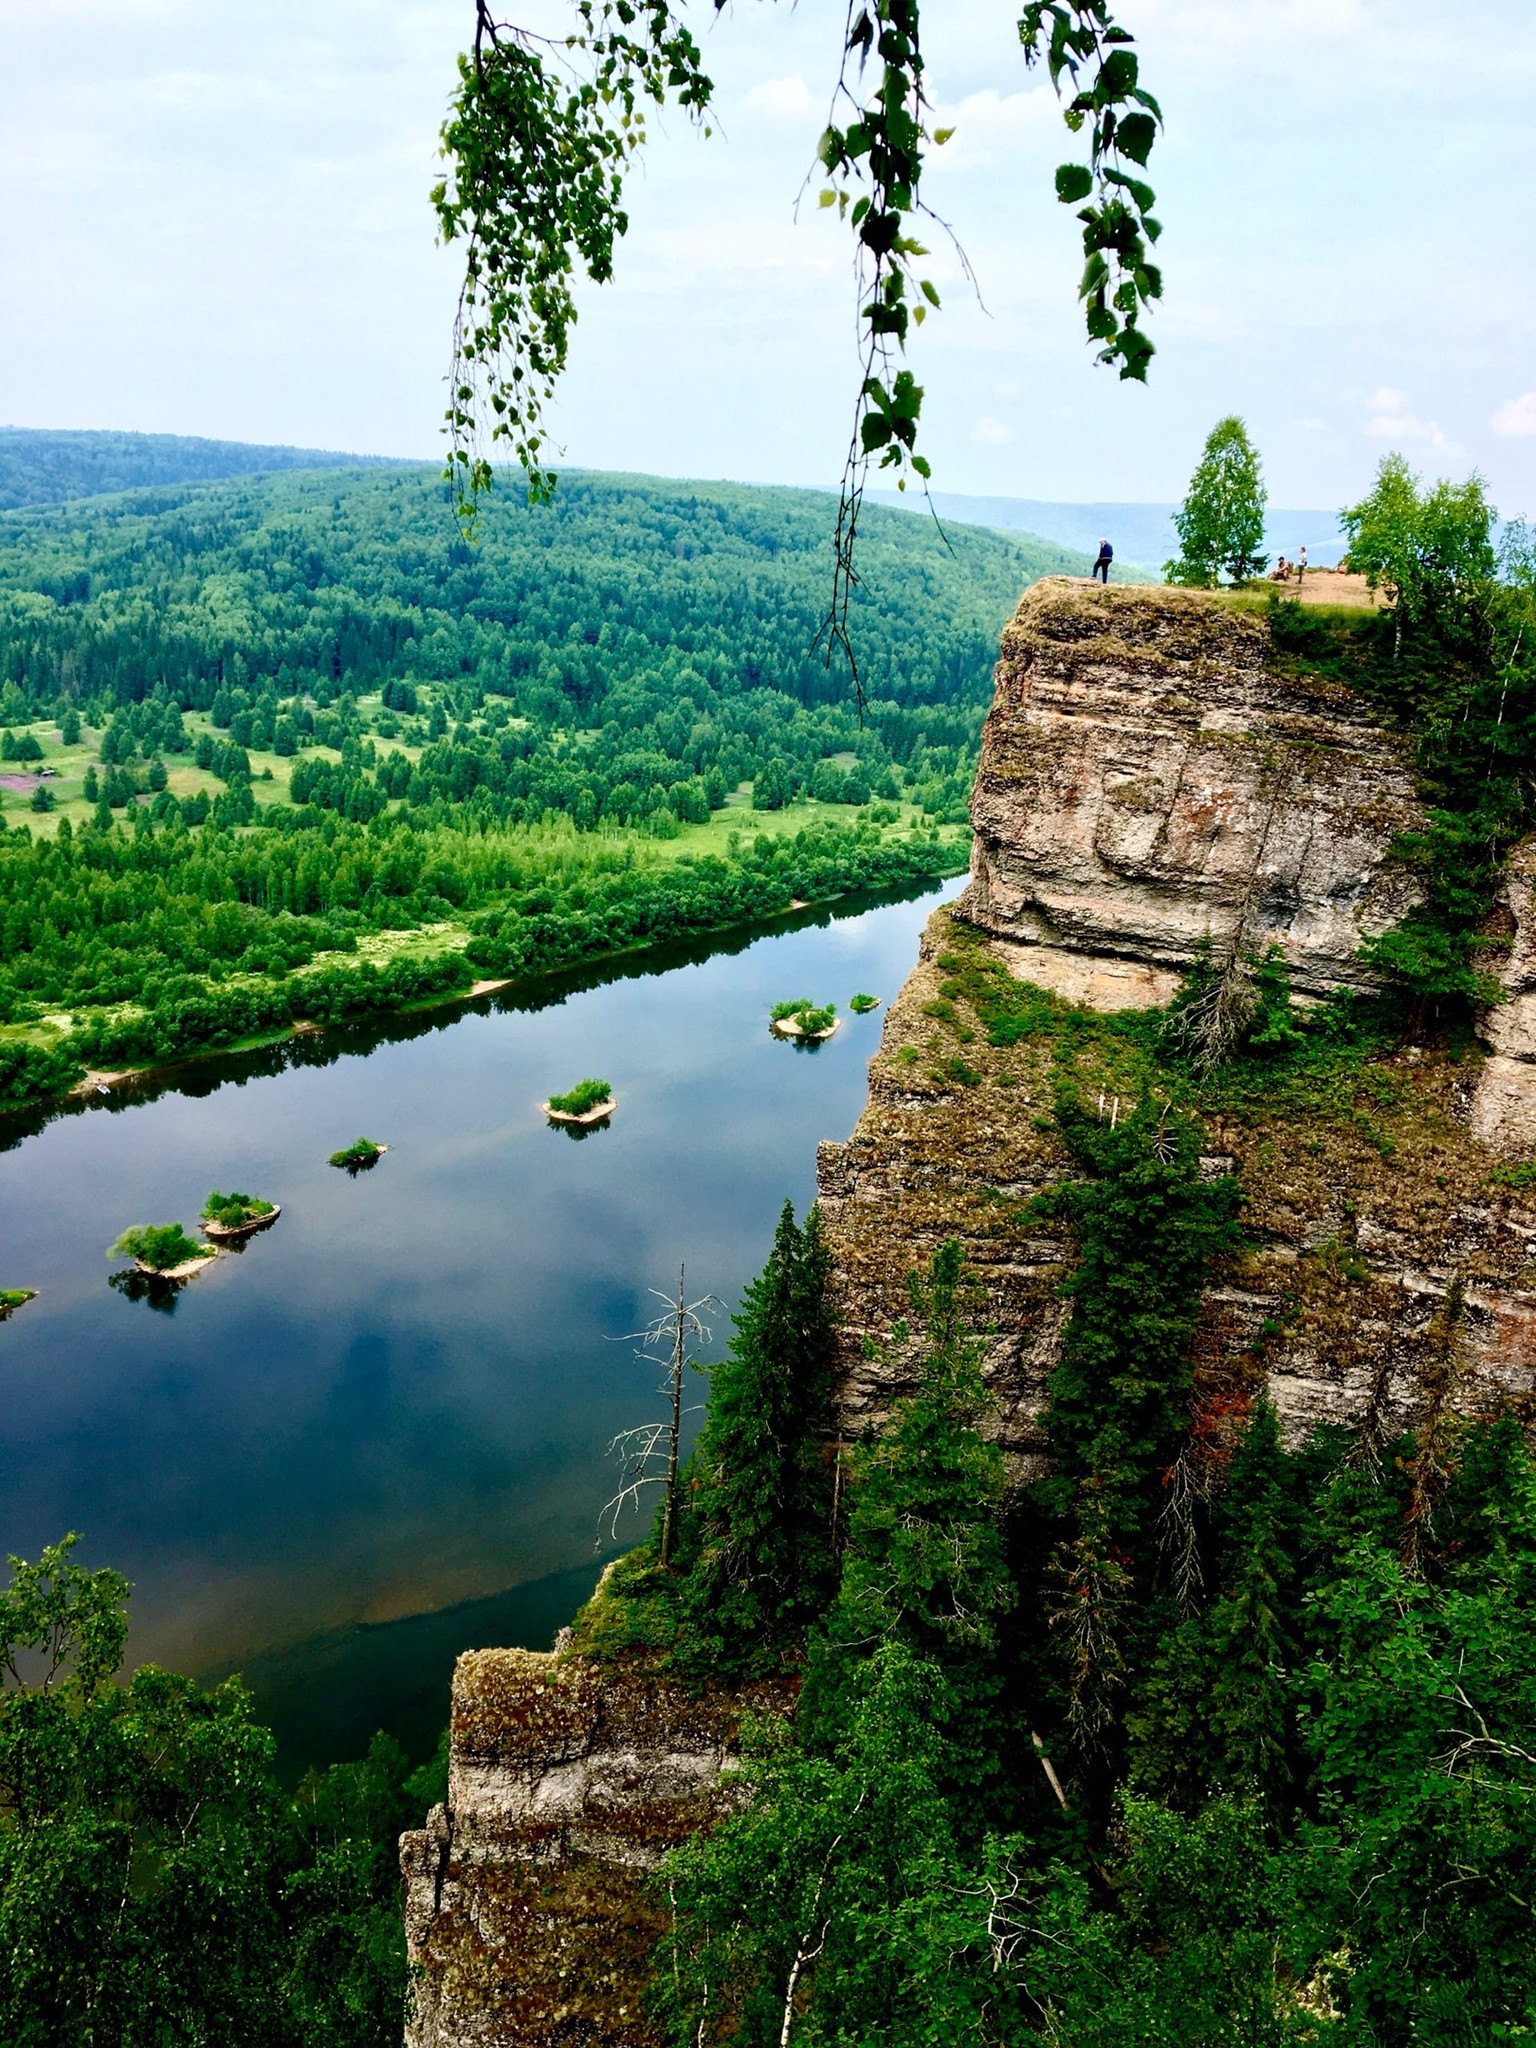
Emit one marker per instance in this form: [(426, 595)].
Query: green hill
[(47, 466), (346, 741)]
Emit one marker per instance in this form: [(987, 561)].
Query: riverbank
[(507, 944)]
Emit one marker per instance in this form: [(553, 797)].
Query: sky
[(214, 220)]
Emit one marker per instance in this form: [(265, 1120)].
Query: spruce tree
[(925, 1558), (1221, 521), (924, 1569), (1251, 1634), (758, 1540)]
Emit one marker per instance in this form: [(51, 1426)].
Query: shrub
[(230, 1211), (860, 1005), (29, 1072), (585, 1096), (160, 1246), (361, 1152)]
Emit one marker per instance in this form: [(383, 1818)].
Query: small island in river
[(359, 1155), (13, 1298), (803, 1019), (589, 1102), (228, 1218)]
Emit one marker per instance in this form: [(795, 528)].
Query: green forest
[(300, 744)]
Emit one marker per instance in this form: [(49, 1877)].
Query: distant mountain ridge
[(45, 466), (1140, 534)]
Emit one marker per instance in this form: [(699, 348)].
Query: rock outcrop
[(1504, 1107), (529, 1921), (1152, 779), (1150, 783)]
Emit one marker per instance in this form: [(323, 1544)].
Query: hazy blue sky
[(213, 219)]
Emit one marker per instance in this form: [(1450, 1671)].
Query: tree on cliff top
[(1221, 521), (1430, 550)]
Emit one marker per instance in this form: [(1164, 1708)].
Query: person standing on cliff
[(1301, 564), (1101, 566)]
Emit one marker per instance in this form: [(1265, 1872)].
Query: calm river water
[(377, 1436)]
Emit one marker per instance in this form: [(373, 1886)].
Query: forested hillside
[(46, 466), (339, 734)]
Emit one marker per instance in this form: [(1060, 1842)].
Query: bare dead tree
[(1219, 1013), (668, 1341)]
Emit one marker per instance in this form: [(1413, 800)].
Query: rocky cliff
[(529, 1921), (1155, 780)]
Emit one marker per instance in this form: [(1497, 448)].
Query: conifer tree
[(924, 1568), (925, 1557), (1221, 522), (758, 1545), (1250, 1637)]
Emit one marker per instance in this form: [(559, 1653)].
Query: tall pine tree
[(758, 1545)]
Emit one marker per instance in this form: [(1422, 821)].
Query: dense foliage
[(581, 1099), (157, 1246), (233, 1210), (1306, 1812), (330, 722), (157, 1886), (46, 466), (1221, 521), (1453, 659)]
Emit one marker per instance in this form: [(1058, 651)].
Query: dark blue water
[(397, 1400)]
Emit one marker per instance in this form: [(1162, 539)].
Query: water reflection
[(401, 1399), (152, 1288)]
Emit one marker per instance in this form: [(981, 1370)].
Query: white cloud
[(991, 431), (988, 124), (781, 99), (1391, 418), (1517, 417)]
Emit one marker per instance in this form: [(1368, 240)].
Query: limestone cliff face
[(1149, 782), (528, 1918), (1504, 1108), (1150, 779)]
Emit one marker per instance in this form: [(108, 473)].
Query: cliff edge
[(1156, 781)]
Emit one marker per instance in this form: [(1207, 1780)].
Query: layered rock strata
[(1151, 782), (529, 1920)]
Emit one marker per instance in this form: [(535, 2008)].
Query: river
[(377, 1435)]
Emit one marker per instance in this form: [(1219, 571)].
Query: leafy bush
[(28, 1072), (581, 1099), (861, 1005), (159, 1246), (790, 1009), (230, 1211), (361, 1152)]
